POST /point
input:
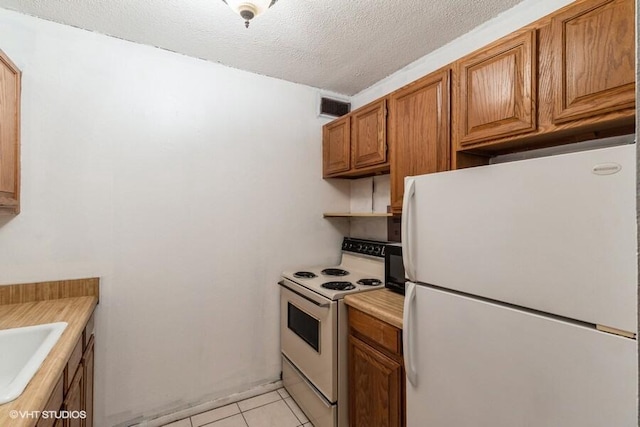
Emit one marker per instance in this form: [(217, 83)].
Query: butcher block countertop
[(382, 304), (76, 311)]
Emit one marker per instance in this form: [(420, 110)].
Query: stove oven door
[(309, 336)]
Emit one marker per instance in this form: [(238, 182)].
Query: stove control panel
[(364, 247)]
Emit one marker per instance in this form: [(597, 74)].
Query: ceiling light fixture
[(249, 9)]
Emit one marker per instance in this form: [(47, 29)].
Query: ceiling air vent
[(333, 107)]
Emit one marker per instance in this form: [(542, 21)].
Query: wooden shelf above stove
[(356, 215)]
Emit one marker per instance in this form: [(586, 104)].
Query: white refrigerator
[(521, 301)]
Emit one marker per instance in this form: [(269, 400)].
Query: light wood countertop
[(383, 304), (76, 312)]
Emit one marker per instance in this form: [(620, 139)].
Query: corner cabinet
[(497, 90), (10, 83), (594, 61), (419, 131), (355, 145), (376, 373)]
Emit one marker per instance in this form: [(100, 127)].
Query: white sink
[(22, 351)]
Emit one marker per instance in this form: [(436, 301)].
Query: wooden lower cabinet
[(87, 365), (73, 402), (54, 404), (374, 388), (376, 374), (74, 391)]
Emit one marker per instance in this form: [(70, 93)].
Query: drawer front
[(319, 411), (375, 331)]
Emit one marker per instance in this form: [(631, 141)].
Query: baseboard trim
[(158, 421)]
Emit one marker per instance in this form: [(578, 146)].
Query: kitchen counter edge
[(382, 304)]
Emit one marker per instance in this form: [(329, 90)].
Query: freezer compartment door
[(479, 364), (555, 234)]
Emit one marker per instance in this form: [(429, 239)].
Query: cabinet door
[(9, 135), (74, 399), (368, 135), (53, 404), (87, 364), (419, 131), (498, 91), (375, 387), (594, 61), (336, 146)]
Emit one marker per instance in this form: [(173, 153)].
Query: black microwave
[(394, 268)]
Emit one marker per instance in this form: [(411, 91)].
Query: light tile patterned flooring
[(273, 409)]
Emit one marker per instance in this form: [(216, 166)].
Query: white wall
[(502, 25), (186, 186)]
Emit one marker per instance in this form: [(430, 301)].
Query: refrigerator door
[(480, 364), (555, 234)]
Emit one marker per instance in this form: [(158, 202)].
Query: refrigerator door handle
[(407, 332), (407, 247)]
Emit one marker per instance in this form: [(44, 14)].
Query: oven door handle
[(319, 304)]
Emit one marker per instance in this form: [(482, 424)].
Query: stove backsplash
[(369, 228)]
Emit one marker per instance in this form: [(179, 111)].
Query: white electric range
[(314, 330)]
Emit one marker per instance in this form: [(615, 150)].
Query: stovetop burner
[(339, 286), (369, 282), (334, 272), (304, 275)]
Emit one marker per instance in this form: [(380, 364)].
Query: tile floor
[(273, 409)]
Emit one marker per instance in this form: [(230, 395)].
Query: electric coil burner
[(304, 275), (361, 264), (339, 286), (369, 282), (334, 272), (314, 330)]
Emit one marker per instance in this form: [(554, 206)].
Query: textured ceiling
[(340, 45)]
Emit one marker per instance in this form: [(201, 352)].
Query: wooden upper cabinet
[(594, 61), (9, 135), (497, 90), (419, 131), (336, 147), (368, 134), (355, 145)]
